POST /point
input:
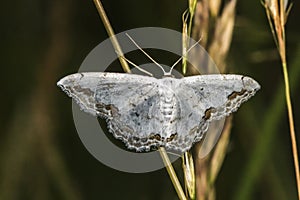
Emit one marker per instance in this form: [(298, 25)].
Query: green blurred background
[(41, 155)]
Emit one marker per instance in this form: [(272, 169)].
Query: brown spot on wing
[(155, 137), (208, 112), (234, 94), (172, 137), (85, 91), (110, 108)]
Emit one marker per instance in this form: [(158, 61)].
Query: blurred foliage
[(41, 155)]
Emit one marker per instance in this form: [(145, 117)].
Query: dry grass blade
[(223, 35), (111, 34), (214, 7), (277, 15), (207, 169), (185, 39), (220, 151), (201, 22), (172, 174), (187, 21), (189, 174)]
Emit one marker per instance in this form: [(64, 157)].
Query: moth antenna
[(146, 53), (183, 56), (135, 65)]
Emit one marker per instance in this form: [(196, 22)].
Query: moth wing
[(219, 94), (128, 102), (91, 88), (207, 98)]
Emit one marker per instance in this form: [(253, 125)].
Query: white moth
[(146, 112)]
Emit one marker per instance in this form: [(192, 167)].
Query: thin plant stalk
[(216, 29), (289, 103), (278, 14), (126, 68), (265, 142), (291, 124), (111, 34), (172, 173)]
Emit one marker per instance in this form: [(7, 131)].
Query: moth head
[(166, 75)]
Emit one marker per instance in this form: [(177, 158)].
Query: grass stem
[(172, 174), (279, 14), (291, 124), (111, 34)]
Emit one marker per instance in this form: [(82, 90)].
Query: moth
[(146, 112)]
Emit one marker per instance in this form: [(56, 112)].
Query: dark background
[(41, 155)]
